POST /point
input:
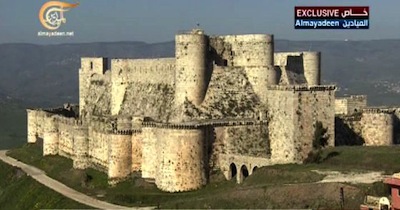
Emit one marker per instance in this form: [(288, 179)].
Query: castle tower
[(89, 66), (81, 148), (191, 67), (183, 170), (377, 127), (50, 137), (119, 156), (32, 125), (312, 67), (258, 61)]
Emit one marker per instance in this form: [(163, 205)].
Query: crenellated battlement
[(378, 110), (303, 88), (125, 132)]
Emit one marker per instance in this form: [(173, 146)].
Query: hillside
[(47, 75), (12, 125), (266, 188), (19, 191)]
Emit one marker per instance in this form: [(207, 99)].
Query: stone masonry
[(358, 124), (227, 103)]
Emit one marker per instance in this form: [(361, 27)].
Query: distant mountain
[(47, 75)]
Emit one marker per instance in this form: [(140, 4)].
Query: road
[(59, 187)]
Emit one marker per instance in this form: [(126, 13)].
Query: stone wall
[(119, 157), (154, 71), (149, 149), (246, 140), (181, 161), (138, 77), (151, 100), (66, 140), (98, 149), (377, 127), (36, 124), (293, 113), (81, 148), (348, 130), (370, 127), (50, 136), (350, 105), (230, 162), (89, 67), (396, 125), (94, 93), (229, 95), (137, 147)]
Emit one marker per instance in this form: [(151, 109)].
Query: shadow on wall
[(344, 135), (210, 157), (396, 130)]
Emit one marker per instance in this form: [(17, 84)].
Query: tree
[(320, 141)]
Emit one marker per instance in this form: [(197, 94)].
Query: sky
[(159, 20)]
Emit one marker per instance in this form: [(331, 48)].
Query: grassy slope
[(18, 191), (268, 187), (12, 126)]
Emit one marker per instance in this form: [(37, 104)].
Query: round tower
[(255, 53), (81, 148), (377, 127), (50, 137), (312, 67), (32, 125), (119, 157), (149, 152), (183, 169), (191, 77)]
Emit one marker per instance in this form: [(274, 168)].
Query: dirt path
[(352, 177), (59, 187)]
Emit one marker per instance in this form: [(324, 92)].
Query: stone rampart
[(137, 148), (183, 170), (50, 136), (98, 149), (293, 114), (149, 152), (94, 94), (350, 105), (154, 71), (377, 126), (119, 157), (80, 148), (246, 140)]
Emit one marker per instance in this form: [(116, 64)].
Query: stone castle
[(227, 103)]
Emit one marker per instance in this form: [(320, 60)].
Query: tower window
[(91, 65)]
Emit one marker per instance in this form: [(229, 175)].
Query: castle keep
[(226, 103)]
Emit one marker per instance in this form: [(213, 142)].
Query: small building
[(383, 202), (394, 183)]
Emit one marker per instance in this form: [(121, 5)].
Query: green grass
[(264, 189), (19, 191), (351, 158)]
